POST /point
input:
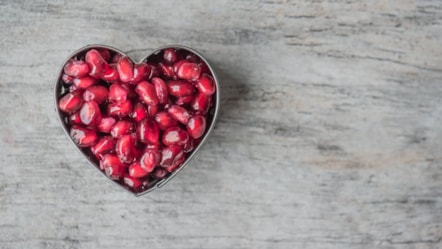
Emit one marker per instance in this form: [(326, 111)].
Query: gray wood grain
[(330, 133)]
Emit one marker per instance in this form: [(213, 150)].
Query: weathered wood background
[(330, 134)]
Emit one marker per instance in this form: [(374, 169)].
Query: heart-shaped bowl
[(159, 175)]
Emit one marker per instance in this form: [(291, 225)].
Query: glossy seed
[(83, 137), (146, 92), (70, 103), (125, 69), (196, 126)]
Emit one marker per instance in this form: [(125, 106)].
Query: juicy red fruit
[(140, 121)]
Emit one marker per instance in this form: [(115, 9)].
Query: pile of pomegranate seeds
[(138, 122)]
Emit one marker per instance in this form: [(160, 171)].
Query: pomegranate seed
[(141, 72), (179, 113), (201, 103), (180, 88), (184, 100), (117, 93), (74, 119), (106, 124), (121, 128), (161, 90), (146, 92), (70, 103), (188, 71), (76, 68), (90, 113), (112, 166), (125, 149), (159, 173), (119, 109), (148, 131), (171, 154), (166, 70), (165, 120), (177, 64), (196, 126), (83, 137), (150, 159), (177, 163), (67, 79), (135, 170), (96, 63), (133, 182), (116, 58), (189, 146), (111, 73), (205, 84), (104, 53), (192, 58), (152, 110), (104, 145), (84, 82), (125, 69), (169, 55), (96, 93), (175, 135), (139, 112), (154, 71)]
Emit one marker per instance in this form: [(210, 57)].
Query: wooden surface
[(330, 134)]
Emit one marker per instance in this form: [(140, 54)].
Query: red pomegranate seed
[(125, 69), (74, 119), (96, 63), (175, 135), (139, 112), (201, 103), (166, 70), (125, 149), (104, 53), (196, 126), (84, 82), (161, 90), (121, 128), (171, 154), (170, 55), (154, 71), (106, 124), (148, 131), (116, 58), (112, 166), (177, 163), (177, 64), (90, 113), (150, 159), (180, 88), (67, 79), (152, 110), (83, 137), (141, 72), (184, 100), (103, 146), (188, 71), (179, 113), (111, 74), (117, 93), (96, 93), (119, 110), (165, 120), (189, 146), (204, 68), (70, 103), (133, 182), (135, 170), (146, 92), (159, 173), (205, 84), (192, 58), (76, 68)]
